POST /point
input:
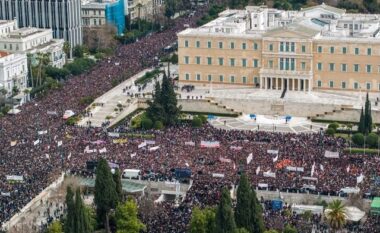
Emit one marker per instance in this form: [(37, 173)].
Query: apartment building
[(316, 48)]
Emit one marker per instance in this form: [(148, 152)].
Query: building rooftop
[(99, 5), (320, 22), (3, 54)]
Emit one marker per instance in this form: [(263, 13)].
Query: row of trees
[(365, 122), (247, 216)]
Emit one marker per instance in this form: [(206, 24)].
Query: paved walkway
[(268, 123)]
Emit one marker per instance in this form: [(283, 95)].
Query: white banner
[(13, 143), (218, 175), (103, 150), (113, 135), (190, 143), (154, 148), (312, 169), (348, 169), (331, 154), (309, 186), (360, 178), (249, 158), (321, 167), (52, 113), (295, 169), (150, 142), (15, 178), (275, 159), (47, 156), (262, 185), (309, 178), (133, 155), (87, 150), (272, 152), (236, 147), (42, 132), (5, 194), (59, 143), (68, 157), (224, 160), (210, 144), (141, 145), (269, 174)]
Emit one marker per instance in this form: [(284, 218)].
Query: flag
[(190, 143), (36, 142), (249, 158), (141, 145), (133, 155), (360, 178), (187, 165), (13, 143), (47, 156), (257, 170), (103, 150), (154, 148), (68, 157), (234, 166), (348, 169), (312, 169), (321, 167), (275, 159), (59, 143)]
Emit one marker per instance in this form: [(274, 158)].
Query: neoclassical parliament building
[(316, 48)]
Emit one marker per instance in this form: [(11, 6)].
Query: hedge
[(361, 151)]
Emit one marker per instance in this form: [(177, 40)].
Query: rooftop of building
[(4, 54), (321, 22), (97, 5)]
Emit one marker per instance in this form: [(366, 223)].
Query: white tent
[(299, 209), (353, 213), (14, 111)]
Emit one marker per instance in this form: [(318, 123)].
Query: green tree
[(155, 110), (257, 222), (210, 219), (367, 116), (290, 229), (372, 140), (330, 131), (67, 48), (146, 123), (55, 227), (158, 125), (335, 215), (224, 218), (196, 122), (334, 126), (271, 231), (78, 51), (126, 218), (241, 230), (169, 101), (69, 223), (105, 193), (118, 186), (243, 206), (198, 221), (361, 126), (358, 139), (81, 219)]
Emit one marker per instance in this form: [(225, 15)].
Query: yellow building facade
[(304, 53)]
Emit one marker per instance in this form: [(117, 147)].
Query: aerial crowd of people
[(37, 145)]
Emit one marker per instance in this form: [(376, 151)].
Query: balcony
[(291, 73)]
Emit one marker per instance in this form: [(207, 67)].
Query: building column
[(310, 83), (276, 79)]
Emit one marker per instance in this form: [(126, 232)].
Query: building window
[(356, 67), (287, 64), (209, 78), (271, 47), (282, 46), (209, 44), (244, 80), (332, 50), (356, 85), (187, 76), (198, 44), (221, 78), (244, 62), (379, 86), (221, 61), (369, 51), (255, 46), (368, 86), (331, 84), (220, 45), (255, 63), (198, 60), (369, 68), (232, 61), (343, 85), (332, 66), (209, 61), (270, 64), (232, 79), (255, 80), (319, 83), (344, 50), (198, 77), (303, 65), (319, 49), (319, 66), (303, 48), (287, 46), (186, 60), (244, 46), (232, 45), (356, 51), (344, 67)]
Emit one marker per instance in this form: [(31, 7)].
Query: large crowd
[(37, 145)]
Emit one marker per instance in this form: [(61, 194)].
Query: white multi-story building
[(13, 73), (31, 41)]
